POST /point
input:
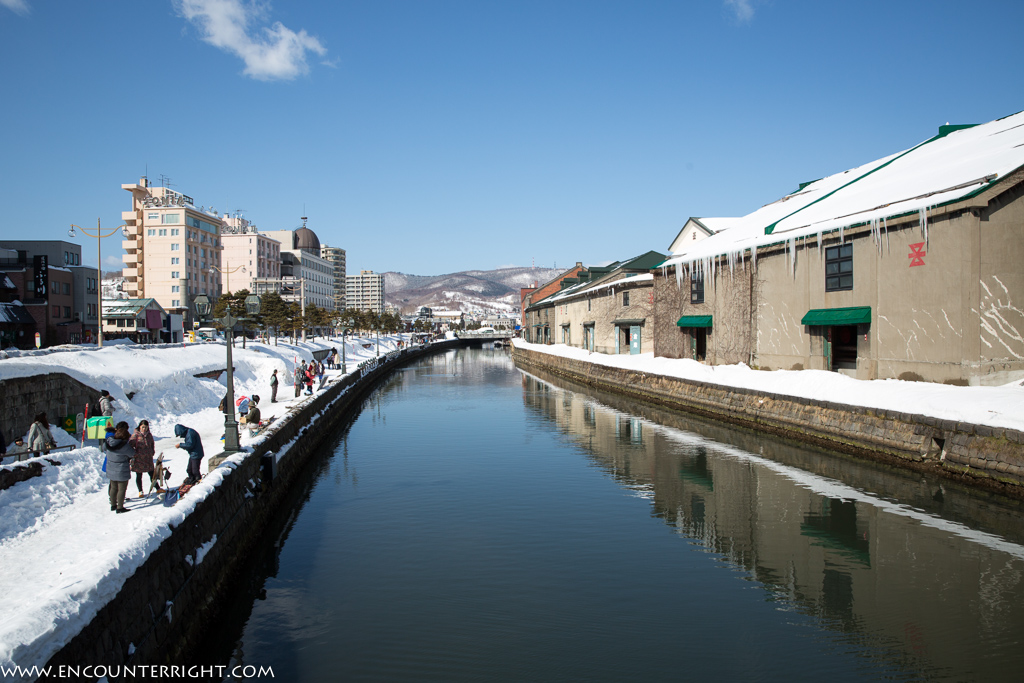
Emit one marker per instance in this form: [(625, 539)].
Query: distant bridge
[(473, 336)]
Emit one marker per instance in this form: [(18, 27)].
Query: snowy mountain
[(472, 291)]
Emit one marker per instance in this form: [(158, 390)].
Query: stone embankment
[(165, 608), (988, 457)]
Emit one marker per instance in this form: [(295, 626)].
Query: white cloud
[(743, 9), (270, 53), (16, 6)]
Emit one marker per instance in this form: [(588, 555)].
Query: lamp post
[(344, 370), (98, 234), (203, 307)]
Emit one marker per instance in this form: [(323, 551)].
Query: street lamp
[(344, 370), (203, 308), (98, 234)]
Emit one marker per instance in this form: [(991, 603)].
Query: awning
[(564, 325), (589, 323), (627, 321), (837, 316), (694, 321)]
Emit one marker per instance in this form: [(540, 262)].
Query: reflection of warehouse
[(842, 561)]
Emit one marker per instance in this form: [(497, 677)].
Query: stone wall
[(56, 394), (986, 454), (165, 608)]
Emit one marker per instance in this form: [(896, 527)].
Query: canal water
[(477, 522)]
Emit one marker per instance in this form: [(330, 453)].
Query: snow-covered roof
[(582, 288), (15, 313), (949, 167), (119, 307)]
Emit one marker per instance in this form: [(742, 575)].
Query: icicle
[(753, 258), (885, 224), (842, 236), (924, 225), (819, 244)]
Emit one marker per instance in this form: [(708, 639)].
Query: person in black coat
[(119, 455)]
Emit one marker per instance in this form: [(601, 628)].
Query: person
[(242, 404), (192, 445), (273, 387), (309, 379), (300, 378), (119, 455), (106, 403), (253, 417), (19, 450), (39, 437), (142, 461)]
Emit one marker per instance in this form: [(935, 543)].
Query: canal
[(475, 522)]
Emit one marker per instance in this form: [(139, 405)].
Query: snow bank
[(993, 406), (64, 553)]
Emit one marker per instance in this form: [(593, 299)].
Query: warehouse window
[(839, 268)]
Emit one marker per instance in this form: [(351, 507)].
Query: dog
[(160, 476)]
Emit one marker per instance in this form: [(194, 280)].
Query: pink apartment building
[(173, 251), (247, 255)]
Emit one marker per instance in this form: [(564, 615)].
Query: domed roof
[(306, 240)]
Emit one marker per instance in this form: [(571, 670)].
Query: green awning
[(837, 316), (694, 321)]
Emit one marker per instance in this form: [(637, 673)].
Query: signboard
[(42, 276), (38, 341)]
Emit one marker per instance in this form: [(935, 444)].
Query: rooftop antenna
[(303, 217), (165, 181)]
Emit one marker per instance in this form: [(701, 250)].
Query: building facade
[(907, 268), (365, 291), (336, 256), (248, 255), (41, 273), (306, 278), (173, 248)]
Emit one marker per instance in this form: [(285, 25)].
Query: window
[(163, 232), (67, 311), (67, 258), (839, 268), (175, 303), (696, 288), (625, 298), (153, 217), (175, 289), (55, 287), (174, 275), (56, 311), (151, 233), (67, 287), (170, 218), (175, 247), (175, 260)]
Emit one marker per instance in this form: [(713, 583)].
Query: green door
[(634, 340)]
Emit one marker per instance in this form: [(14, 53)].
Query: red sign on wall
[(916, 254)]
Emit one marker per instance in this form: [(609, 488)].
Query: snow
[(1000, 406), (64, 553), (569, 292), (925, 176)]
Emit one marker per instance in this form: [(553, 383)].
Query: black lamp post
[(344, 370), (203, 309)]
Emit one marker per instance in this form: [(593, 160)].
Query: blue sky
[(432, 136)]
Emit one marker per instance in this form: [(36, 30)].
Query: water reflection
[(931, 584)]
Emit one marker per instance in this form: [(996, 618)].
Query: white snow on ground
[(63, 553), (1001, 406)]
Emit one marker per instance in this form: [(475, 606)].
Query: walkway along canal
[(478, 522)]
